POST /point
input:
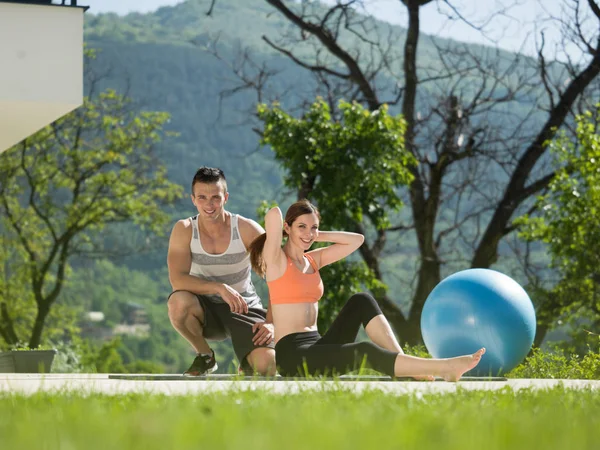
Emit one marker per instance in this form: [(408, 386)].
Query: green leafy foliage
[(16, 300), (350, 167), (63, 186), (556, 364), (569, 223), (107, 358)]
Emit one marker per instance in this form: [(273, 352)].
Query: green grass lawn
[(553, 419)]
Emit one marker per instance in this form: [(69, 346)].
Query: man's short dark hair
[(209, 175)]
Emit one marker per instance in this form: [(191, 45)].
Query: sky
[(515, 21)]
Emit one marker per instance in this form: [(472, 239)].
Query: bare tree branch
[(313, 68), (211, 7)]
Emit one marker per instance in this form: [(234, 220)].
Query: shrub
[(556, 364)]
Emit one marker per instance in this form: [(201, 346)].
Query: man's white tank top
[(231, 267)]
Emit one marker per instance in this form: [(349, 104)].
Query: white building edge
[(41, 65)]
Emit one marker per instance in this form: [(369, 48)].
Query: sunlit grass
[(332, 419)]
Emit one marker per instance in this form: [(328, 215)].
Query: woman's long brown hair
[(296, 210)]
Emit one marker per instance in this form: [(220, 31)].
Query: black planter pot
[(27, 361)]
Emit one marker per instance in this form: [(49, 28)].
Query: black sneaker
[(202, 365)]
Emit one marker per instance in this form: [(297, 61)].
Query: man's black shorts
[(220, 323)]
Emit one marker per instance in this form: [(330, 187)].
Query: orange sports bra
[(296, 287)]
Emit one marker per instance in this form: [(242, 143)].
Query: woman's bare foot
[(461, 364)]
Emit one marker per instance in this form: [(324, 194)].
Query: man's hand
[(236, 302), (263, 333)]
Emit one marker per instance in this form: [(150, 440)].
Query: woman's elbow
[(273, 216), (274, 211)]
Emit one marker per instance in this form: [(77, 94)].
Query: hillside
[(152, 57)]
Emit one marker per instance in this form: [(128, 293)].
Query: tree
[(570, 223), (61, 188), (369, 146), (13, 285), (480, 165)]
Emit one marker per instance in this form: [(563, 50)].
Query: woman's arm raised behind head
[(344, 243), (265, 250), (274, 229)]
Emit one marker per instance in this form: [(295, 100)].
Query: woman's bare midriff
[(294, 318)]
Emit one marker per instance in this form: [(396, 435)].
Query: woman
[(295, 287)]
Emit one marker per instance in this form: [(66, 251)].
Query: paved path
[(101, 383)]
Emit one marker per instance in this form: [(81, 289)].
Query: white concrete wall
[(41, 67)]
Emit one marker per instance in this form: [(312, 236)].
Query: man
[(209, 269)]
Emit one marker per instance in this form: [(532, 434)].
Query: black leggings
[(307, 353)]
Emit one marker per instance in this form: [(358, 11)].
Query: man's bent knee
[(262, 361), (183, 303)]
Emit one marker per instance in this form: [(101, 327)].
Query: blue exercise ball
[(479, 308)]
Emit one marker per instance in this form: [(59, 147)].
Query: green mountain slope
[(152, 57)]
